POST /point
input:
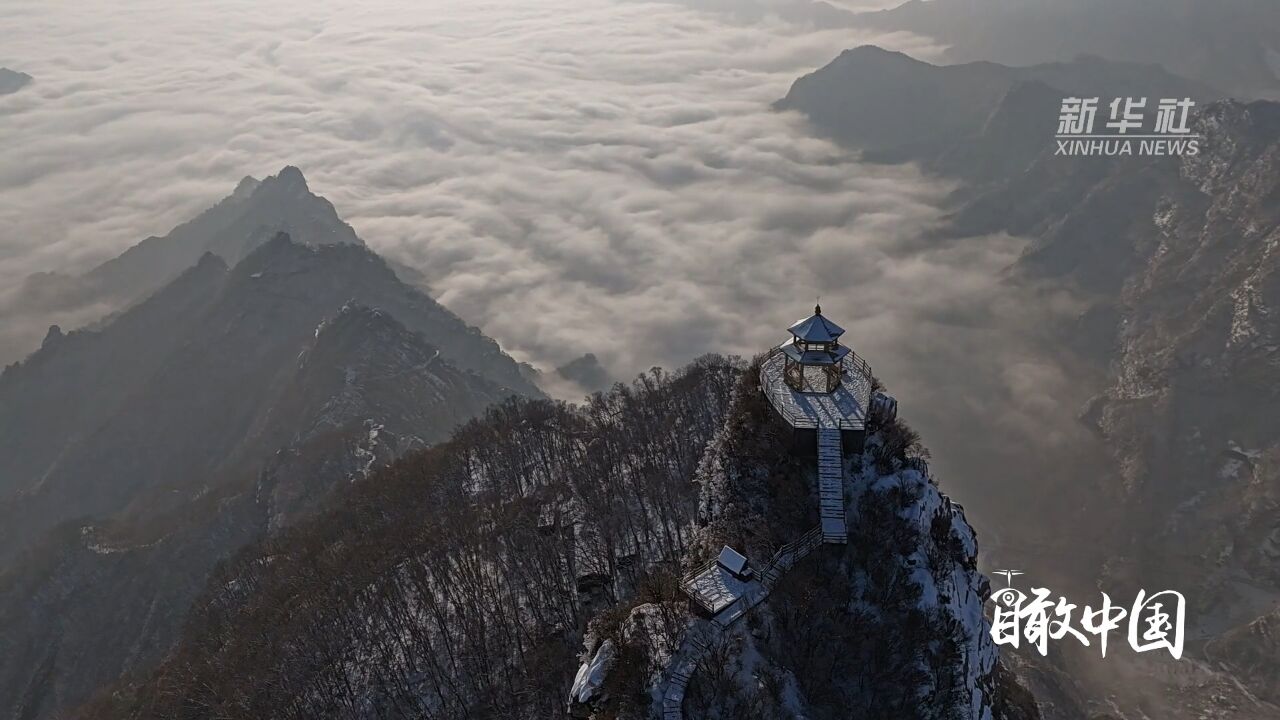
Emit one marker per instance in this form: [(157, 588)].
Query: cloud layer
[(571, 175)]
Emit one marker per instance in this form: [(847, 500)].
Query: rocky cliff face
[(1176, 260), (1193, 412)]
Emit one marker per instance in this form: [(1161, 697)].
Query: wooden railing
[(783, 560), (693, 645), (788, 555), (689, 576), (860, 379)]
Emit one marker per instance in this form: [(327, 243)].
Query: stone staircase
[(703, 634), (831, 486), (697, 642)]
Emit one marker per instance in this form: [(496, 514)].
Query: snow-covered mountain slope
[(458, 581), (476, 579), (890, 625)]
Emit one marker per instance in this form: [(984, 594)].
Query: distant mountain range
[(978, 120), (226, 404), (1233, 45), (231, 229)]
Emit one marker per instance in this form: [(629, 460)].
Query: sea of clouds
[(572, 176)]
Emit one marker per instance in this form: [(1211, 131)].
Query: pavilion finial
[(817, 306)]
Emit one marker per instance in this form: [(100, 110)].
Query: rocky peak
[(245, 187), (357, 324), (251, 215), (51, 338), (281, 245), (282, 257), (158, 423), (209, 261), (12, 81), (587, 372), (291, 179)]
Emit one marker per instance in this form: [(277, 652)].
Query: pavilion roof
[(816, 328), (813, 357)]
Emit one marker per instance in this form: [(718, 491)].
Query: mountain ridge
[(1228, 45), (895, 108), (220, 409), (252, 214)]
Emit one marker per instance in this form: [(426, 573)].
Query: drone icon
[(1009, 575)]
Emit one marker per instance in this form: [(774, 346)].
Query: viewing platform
[(822, 389), (844, 408)]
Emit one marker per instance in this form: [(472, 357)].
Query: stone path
[(698, 640)]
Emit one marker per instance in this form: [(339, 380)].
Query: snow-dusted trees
[(450, 584)]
